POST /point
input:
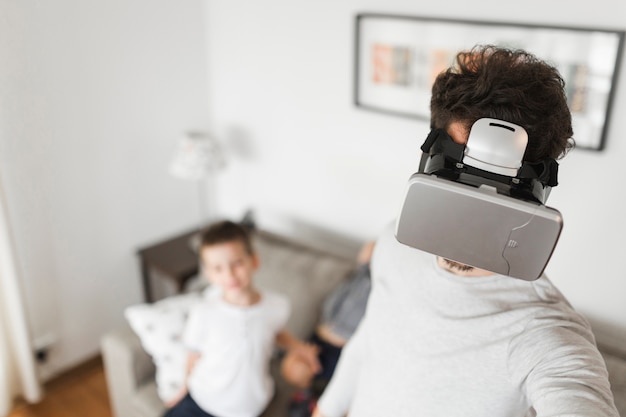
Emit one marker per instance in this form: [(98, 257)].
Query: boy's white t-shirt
[(231, 378)]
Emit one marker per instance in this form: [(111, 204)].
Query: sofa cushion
[(303, 274), (159, 326)]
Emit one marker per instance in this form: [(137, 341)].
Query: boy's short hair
[(226, 231), (506, 84)]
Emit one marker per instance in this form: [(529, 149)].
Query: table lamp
[(198, 158)]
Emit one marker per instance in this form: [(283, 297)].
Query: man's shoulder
[(551, 325)]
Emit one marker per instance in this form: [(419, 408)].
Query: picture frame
[(398, 57)]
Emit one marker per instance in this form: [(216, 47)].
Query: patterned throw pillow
[(160, 326)]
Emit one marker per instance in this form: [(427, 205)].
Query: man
[(440, 338)]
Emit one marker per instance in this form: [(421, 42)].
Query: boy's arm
[(192, 358), (307, 351)]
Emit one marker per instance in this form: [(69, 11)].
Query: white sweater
[(439, 345)]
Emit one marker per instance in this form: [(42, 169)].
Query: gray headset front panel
[(478, 227)]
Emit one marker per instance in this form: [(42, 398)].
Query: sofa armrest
[(127, 367)]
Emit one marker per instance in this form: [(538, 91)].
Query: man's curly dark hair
[(511, 85)]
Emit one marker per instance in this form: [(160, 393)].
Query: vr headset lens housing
[(480, 204)]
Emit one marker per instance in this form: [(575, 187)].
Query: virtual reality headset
[(480, 205)]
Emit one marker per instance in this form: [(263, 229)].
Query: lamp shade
[(197, 157)]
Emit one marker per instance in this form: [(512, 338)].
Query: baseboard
[(75, 372)]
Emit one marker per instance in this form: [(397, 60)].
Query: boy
[(231, 334)]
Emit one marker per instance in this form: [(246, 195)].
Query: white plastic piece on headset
[(496, 146)]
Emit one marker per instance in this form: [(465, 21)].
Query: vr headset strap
[(546, 172), (439, 142)]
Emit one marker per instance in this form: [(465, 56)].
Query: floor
[(79, 393)]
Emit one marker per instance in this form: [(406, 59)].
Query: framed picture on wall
[(398, 57)]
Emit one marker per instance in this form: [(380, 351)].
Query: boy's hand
[(176, 399), (308, 352)]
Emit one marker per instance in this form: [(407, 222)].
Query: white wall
[(93, 96), (280, 88)]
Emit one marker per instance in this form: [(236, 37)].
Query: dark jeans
[(186, 407), (303, 402), (328, 357)]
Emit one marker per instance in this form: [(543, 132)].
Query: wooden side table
[(172, 258)]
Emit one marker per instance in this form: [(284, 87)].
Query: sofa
[(305, 275)]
